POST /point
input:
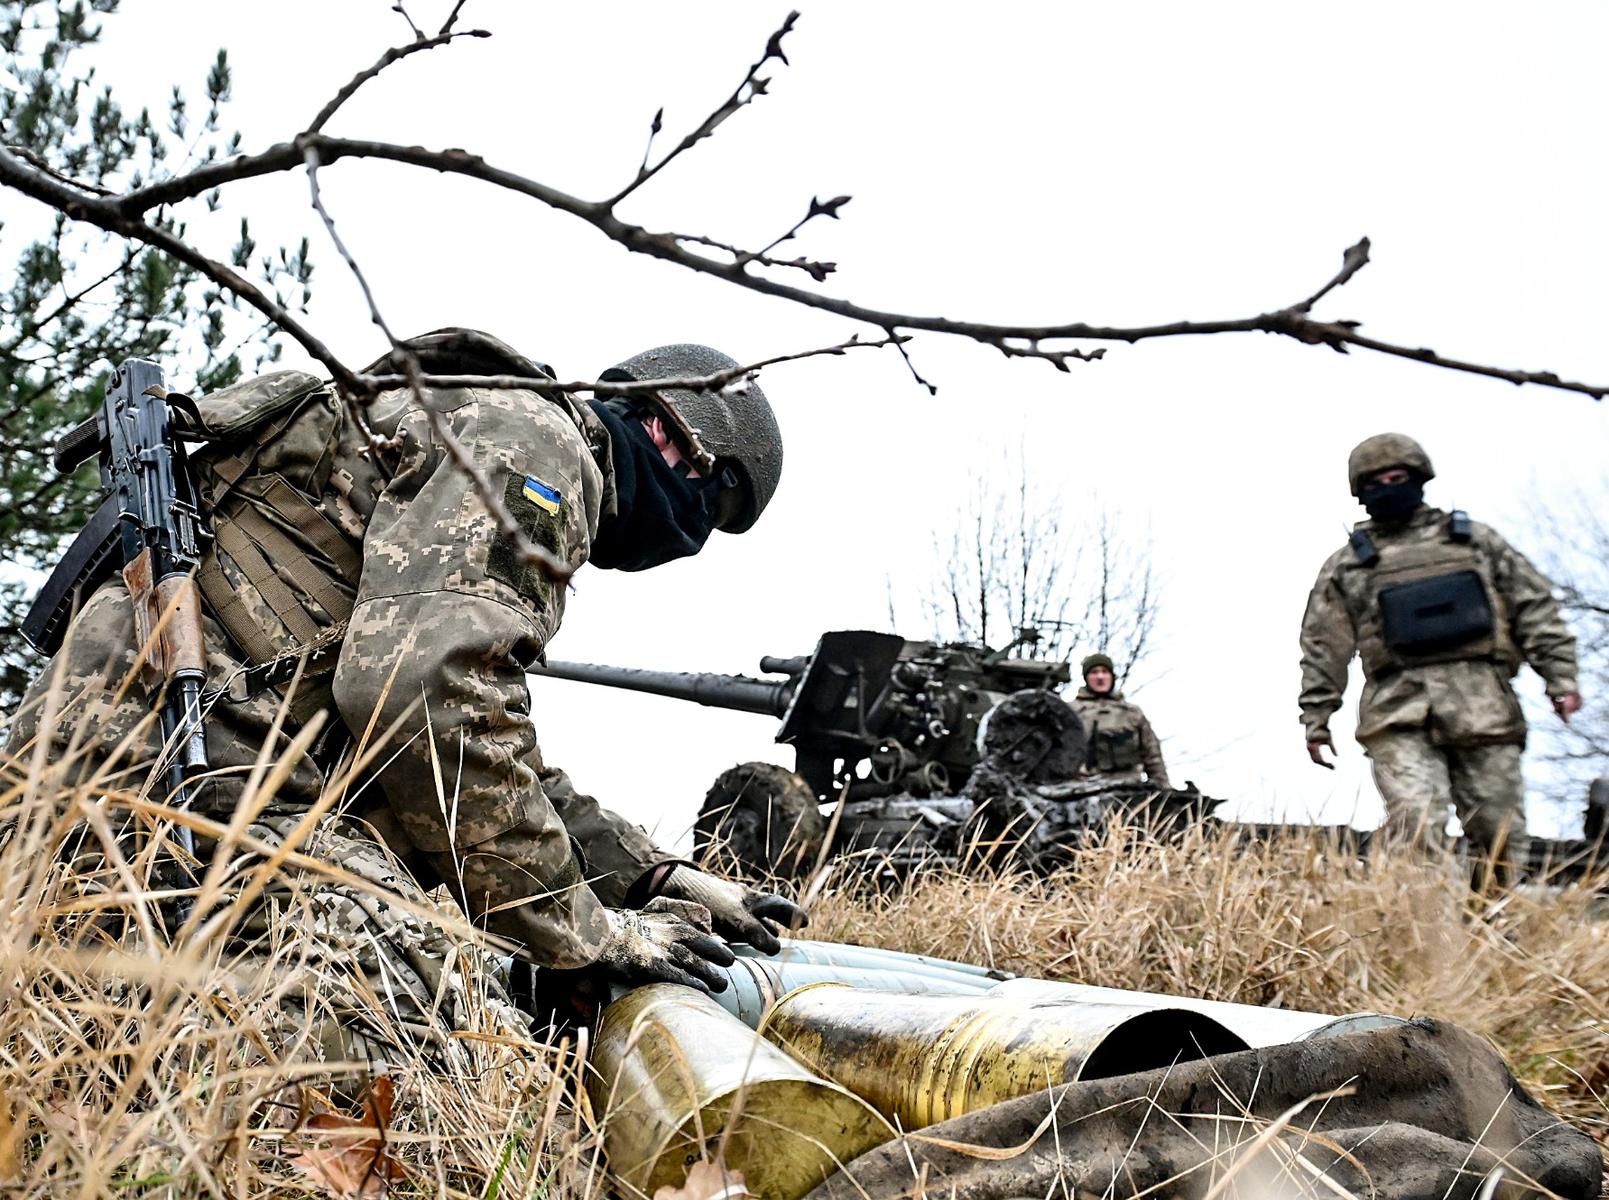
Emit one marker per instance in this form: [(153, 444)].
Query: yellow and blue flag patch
[(544, 496)]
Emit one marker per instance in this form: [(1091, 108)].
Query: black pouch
[(1430, 616)]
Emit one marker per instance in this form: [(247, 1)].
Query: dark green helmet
[(735, 424)]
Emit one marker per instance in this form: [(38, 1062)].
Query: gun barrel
[(740, 692)]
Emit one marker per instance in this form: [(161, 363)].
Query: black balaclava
[(660, 513), (1392, 503)]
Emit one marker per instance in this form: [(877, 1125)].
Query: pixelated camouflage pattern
[(1462, 703), (102, 720), (1124, 747), (437, 642), (1383, 451), (370, 981), (1416, 779)]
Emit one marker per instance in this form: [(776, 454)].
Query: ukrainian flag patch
[(544, 496)]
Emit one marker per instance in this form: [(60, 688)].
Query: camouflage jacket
[(1461, 696), (433, 617), (1122, 745)]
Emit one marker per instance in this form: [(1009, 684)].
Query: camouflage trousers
[(366, 971), (362, 967), (1418, 779)]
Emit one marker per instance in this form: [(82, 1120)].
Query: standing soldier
[(1442, 611), (1122, 748)]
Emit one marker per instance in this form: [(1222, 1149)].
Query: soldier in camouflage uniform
[(1442, 611), (373, 586), (1121, 745)]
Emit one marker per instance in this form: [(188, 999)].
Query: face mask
[(660, 514), (1392, 502)]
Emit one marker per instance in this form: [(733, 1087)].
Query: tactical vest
[(1398, 590), (281, 577), (1114, 736)]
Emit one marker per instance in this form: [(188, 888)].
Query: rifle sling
[(90, 561)]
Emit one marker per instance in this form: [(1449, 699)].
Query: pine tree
[(79, 302)]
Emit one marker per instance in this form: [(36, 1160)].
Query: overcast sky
[(1116, 163)]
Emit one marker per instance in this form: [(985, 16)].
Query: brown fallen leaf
[(707, 1181), (356, 1164)]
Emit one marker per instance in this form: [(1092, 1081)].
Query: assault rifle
[(150, 525)]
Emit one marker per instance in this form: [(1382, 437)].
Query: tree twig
[(385, 60), (106, 214), (712, 382), (1353, 261), (745, 93), (550, 565)]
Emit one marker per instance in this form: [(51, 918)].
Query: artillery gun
[(926, 751)]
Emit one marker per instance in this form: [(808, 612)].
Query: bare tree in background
[(1573, 549), (1029, 559)]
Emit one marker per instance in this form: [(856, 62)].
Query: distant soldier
[(1442, 611), (1122, 748)]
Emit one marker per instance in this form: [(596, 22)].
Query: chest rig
[(1113, 730), (1426, 595), (282, 577)]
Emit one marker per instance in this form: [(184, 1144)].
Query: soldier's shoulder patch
[(544, 495), (536, 507)]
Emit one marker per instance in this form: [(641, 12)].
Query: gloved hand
[(737, 912), (669, 941)]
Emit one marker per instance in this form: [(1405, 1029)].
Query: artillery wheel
[(1033, 736), (764, 818)]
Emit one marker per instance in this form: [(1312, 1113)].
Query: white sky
[(1118, 163)]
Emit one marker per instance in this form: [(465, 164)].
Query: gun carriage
[(909, 751)]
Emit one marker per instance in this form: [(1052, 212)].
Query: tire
[(761, 817)]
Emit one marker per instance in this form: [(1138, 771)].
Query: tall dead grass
[(186, 1050), (132, 1065), (1296, 921)]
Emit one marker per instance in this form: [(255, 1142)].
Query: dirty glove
[(738, 913), (669, 941)]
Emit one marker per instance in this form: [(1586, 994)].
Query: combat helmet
[(1383, 451), (736, 426)]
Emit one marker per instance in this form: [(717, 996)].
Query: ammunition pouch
[(1117, 748), (1435, 615), (1427, 596), (282, 577)]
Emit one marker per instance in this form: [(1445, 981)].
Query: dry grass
[(129, 1067), (1295, 922)]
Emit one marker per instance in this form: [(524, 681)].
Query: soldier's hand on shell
[(669, 941), (739, 913)]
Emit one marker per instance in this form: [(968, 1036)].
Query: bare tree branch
[(107, 215), (745, 93), (1018, 341), (1353, 261), (39, 162), (712, 382), (384, 61)]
